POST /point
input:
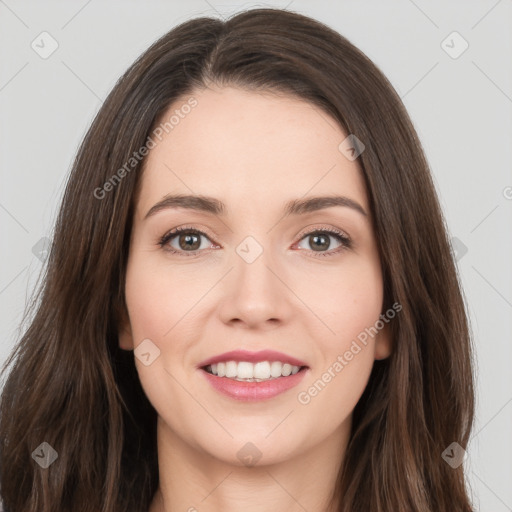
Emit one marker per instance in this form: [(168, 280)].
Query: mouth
[(251, 382), (245, 371)]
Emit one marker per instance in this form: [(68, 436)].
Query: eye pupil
[(186, 241), (315, 239)]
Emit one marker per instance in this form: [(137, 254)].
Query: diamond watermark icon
[(249, 454), (44, 455), (454, 45), (454, 455), (44, 45), (146, 352), (459, 249), (351, 147), (249, 249), (40, 249)]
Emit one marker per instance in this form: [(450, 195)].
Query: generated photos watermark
[(305, 397), (137, 156)]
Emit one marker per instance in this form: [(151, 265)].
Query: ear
[(383, 343), (124, 330)]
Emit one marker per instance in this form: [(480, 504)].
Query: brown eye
[(183, 240), (190, 241), (319, 241)]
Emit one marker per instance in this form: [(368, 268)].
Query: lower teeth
[(252, 380), (246, 380)]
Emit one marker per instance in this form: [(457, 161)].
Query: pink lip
[(253, 391), (252, 357)]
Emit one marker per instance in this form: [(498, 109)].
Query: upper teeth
[(246, 370)]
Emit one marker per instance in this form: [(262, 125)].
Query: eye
[(319, 241), (188, 240)]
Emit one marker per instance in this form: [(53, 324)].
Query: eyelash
[(346, 242)]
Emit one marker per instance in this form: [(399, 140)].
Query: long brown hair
[(70, 385)]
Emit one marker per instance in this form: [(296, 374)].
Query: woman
[(310, 352)]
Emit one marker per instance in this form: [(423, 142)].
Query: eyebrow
[(216, 207)]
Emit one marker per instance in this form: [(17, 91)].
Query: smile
[(249, 389), (252, 372)]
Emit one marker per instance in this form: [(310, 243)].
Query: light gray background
[(461, 109)]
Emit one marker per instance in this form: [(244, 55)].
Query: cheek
[(346, 359), (347, 299), (158, 294), (350, 303), (156, 306), (332, 394), (148, 308)]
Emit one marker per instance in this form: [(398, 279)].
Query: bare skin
[(254, 152)]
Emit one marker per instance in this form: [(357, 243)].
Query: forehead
[(251, 149)]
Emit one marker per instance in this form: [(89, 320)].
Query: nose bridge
[(254, 259), (253, 293)]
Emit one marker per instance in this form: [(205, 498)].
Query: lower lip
[(253, 391)]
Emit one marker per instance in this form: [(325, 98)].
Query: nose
[(255, 294)]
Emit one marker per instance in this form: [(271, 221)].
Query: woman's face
[(255, 279)]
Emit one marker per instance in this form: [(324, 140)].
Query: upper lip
[(252, 357)]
